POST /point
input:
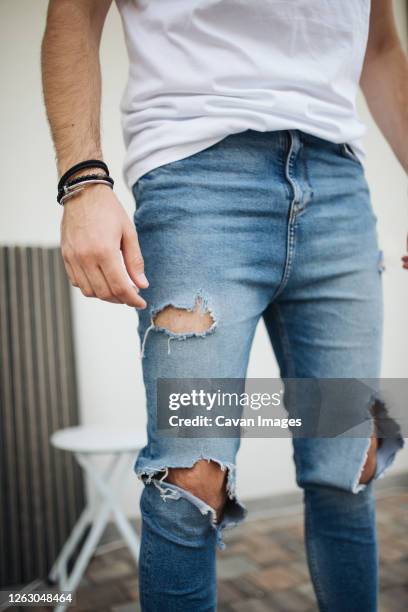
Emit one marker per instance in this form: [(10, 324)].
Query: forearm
[(72, 80), (385, 85)]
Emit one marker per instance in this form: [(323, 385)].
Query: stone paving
[(263, 568)]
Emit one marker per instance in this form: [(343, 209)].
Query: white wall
[(110, 381)]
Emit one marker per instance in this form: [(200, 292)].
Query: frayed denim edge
[(386, 454), (170, 491), (199, 295)]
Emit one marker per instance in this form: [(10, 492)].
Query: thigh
[(205, 225), (212, 229), (330, 311), (327, 323)]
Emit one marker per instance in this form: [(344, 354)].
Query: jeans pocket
[(348, 152)]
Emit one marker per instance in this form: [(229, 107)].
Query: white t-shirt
[(203, 69)]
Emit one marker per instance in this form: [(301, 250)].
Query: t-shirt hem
[(133, 171), (139, 169)]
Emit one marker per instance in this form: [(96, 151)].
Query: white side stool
[(86, 443)]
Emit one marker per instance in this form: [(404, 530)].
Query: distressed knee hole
[(205, 480), (183, 320), (370, 465)]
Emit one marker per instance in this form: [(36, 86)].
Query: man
[(244, 156)]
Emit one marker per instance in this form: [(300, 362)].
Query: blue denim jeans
[(276, 225)]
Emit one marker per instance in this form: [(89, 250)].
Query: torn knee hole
[(205, 480), (183, 320), (370, 465)]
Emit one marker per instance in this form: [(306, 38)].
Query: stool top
[(98, 439)]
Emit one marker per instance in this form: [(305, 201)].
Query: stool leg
[(98, 526), (59, 569), (86, 553), (84, 520), (116, 473), (127, 531)]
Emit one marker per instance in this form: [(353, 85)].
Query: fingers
[(81, 278), (100, 286), (71, 274), (93, 240), (92, 284), (102, 275), (132, 257), (119, 284)]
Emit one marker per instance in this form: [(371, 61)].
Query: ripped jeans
[(277, 225)]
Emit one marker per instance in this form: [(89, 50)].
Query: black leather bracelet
[(80, 182), (90, 163), (82, 179), (72, 191)]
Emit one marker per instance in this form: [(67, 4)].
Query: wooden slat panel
[(9, 498), (41, 362), (42, 488), (20, 452)]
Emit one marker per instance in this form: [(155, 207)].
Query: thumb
[(132, 258)]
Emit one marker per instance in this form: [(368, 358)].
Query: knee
[(370, 464), (175, 518), (205, 480)]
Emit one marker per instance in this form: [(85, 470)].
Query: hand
[(95, 229)]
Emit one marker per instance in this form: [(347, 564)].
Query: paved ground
[(263, 568)]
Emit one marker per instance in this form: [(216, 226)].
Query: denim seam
[(290, 247), (314, 568), (144, 570), (285, 342), (309, 192)]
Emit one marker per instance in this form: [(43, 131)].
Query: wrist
[(65, 164), (93, 194), (78, 177)]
